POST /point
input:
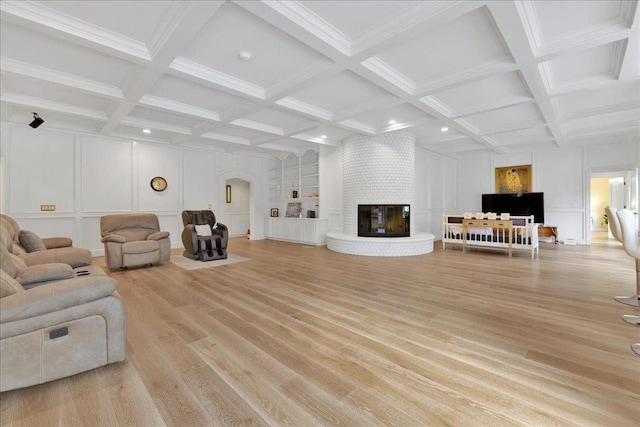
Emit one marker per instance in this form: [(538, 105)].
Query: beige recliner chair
[(133, 239)]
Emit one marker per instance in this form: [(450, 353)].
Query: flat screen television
[(519, 204)]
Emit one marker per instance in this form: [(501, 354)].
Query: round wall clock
[(158, 183)]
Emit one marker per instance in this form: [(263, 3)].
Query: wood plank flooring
[(304, 336)]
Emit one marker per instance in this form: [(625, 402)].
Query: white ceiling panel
[(466, 43), (521, 136), (354, 18), (49, 91), (188, 92), (163, 117), (274, 55), (603, 123), (41, 50), (121, 17), (587, 67), (341, 92), (558, 19), (279, 118), (402, 114), (503, 76), (505, 119), (599, 101), (492, 92), (432, 132)]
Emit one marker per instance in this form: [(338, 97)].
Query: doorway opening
[(237, 207), (617, 189)]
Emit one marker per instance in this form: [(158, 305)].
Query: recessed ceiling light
[(324, 137), (444, 129), (146, 131), (244, 56), (392, 122)]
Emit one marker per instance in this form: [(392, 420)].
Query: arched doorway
[(237, 206)]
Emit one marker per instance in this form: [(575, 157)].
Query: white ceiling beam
[(507, 19), (170, 39)]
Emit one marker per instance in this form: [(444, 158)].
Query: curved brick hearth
[(378, 246)]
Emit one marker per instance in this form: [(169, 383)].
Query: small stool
[(207, 246)]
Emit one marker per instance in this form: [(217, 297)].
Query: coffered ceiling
[(503, 76)]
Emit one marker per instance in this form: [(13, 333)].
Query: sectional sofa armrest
[(57, 242), (75, 257), (158, 235), (54, 297), (44, 273), (116, 238)]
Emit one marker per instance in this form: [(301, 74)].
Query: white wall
[(562, 175), (87, 176)]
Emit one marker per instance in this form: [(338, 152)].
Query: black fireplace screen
[(383, 221)]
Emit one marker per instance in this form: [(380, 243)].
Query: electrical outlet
[(48, 208)]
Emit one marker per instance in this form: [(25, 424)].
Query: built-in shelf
[(298, 174)]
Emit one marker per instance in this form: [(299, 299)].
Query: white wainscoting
[(238, 223)]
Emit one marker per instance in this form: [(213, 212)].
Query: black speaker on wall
[(37, 121)]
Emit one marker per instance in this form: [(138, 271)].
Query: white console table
[(309, 231)]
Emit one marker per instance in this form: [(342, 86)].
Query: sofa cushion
[(44, 273), (75, 257), (30, 241), (141, 247), (57, 242), (8, 285)]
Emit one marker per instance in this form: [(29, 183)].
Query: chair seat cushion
[(140, 247)]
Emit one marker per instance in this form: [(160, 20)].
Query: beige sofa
[(55, 320), (133, 239), (54, 249)]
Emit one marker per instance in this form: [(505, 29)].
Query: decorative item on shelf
[(491, 215), (313, 196), (505, 216), (479, 215), (158, 183), (294, 194), (513, 179), (311, 214), (228, 194), (467, 215), (293, 210), (274, 212)]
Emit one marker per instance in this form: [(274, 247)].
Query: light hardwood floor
[(303, 336)]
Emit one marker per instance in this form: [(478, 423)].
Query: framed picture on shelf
[(274, 212), (293, 210), (513, 179), (294, 194)]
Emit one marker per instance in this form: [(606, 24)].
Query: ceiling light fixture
[(146, 131), (37, 121), (244, 56), (444, 129), (392, 122), (324, 137)]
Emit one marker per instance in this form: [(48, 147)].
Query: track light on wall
[(37, 121)]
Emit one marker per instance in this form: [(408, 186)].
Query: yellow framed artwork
[(513, 179)]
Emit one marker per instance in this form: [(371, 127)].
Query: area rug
[(189, 264)]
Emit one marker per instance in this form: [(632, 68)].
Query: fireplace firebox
[(383, 221)]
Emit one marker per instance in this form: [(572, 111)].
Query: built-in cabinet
[(298, 230), (296, 179)]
